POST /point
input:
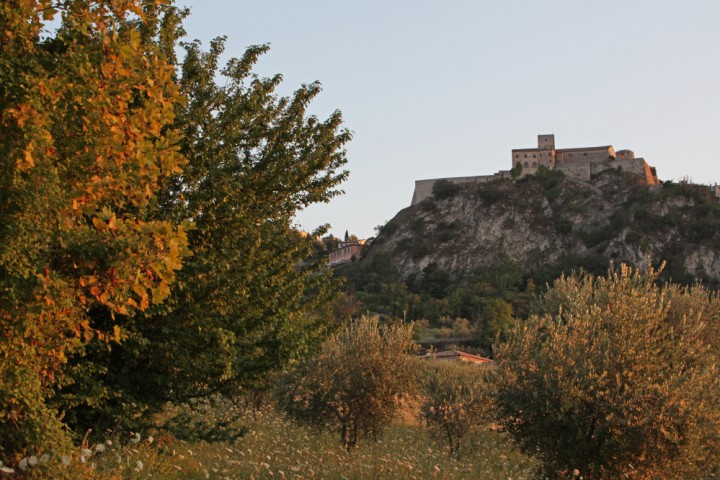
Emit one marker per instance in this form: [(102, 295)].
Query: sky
[(434, 89)]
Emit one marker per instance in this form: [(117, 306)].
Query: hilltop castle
[(578, 163)]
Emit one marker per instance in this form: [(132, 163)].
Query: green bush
[(563, 225), (446, 231), (355, 383), (443, 189), (489, 194), (456, 401), (618, 378), (595, 237)]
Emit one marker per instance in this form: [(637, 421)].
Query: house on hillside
[(344, 253), (458, 356)]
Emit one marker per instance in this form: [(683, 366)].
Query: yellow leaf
[(117, 333)]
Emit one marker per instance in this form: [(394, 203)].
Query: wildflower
[(86, 452), (139, 465), (23, 464), (150, 439), (32, 461), (44, 458), (108, 442), (7, 470), (65, 460), (576, 473), (135, 439), (99, 448)]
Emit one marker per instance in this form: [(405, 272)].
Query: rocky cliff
[(552, 221)]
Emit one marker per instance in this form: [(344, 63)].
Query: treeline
[(482, 305)]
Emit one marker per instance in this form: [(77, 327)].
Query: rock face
[(550, 219)]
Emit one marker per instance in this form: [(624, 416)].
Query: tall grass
[(276, 448)]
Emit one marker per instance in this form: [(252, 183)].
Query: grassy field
[(276, 448)]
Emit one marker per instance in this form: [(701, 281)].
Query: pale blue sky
[(441, 89)]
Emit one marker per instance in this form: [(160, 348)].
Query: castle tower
[(546, 142)]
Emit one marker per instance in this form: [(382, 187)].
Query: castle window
[(585, 154), (533, 156), (534, 164), (526, 155), (526, 165)]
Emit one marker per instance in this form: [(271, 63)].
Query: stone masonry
[(580, 163)]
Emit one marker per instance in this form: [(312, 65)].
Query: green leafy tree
[(455, 400), (250, 299), (86, 139), (355, 382), (618, 379), (516, 171), (498, 321)]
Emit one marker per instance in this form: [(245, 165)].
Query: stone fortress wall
[(423, 188), (580, 163)]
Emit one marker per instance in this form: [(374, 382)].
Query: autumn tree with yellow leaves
[(117, 162), (86, 138)]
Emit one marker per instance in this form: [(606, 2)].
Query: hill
[(548, 223)]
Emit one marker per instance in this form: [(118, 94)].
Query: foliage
[(86, 139), (355, 382), (486, 300), (443, 189), (550, 180), (446, 231), (252, 297), (499, 320), (212, 419), (489, 193), (434, 281), (617, 378), (563, 226), (455, 401), (516, 171)]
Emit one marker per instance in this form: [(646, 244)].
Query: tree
[(455, 401), (250, 299), (516, 171), (86, 139), (618, 378), (355, 382), (499, 320)]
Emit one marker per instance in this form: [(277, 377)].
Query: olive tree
[(617, 378), (356, 381), (455, 400)]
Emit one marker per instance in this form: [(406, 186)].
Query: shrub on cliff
[(443, 189), (617, 378)]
